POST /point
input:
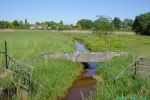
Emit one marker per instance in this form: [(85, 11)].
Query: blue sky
[(70, 11)]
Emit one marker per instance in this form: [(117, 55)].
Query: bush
[(103, 25), (142, 24)]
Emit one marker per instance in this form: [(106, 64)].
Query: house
[(39, 27), (32, 26)]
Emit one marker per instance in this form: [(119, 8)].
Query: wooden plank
[(144, 64), (143, 73), (20, 85), (144, 58), (144, 67)]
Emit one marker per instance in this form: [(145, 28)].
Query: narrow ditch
[(84, 86)]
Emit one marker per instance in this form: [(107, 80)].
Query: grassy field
[(57, 75), (28, 46), (127, 86), (132, 44)]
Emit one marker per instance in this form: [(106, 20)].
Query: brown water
[(84, 86)]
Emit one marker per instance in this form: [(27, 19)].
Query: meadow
[(57, 75), (127, 86), (28, 46), (134, 45)]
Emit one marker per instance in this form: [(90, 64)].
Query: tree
[(142, 24), (61, 22), (15, 24), (26, 22), (103, 25), (44, 25), (68, 27), (117, 23), (21, 25), (127, 24), (27, 25), (61, 26), (72, 26), (36, 24), (78, 25), (4, 24), (84, 24)]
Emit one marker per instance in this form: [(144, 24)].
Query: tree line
[(14, 24), (117, 24), (37, 25), (141, 24)]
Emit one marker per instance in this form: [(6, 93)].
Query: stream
[(84, 85)]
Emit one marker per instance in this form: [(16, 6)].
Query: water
[(90, 68), (80, 46), (84, 85)]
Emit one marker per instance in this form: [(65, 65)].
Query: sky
[(70, 11)]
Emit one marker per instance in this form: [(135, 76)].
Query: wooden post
[(136, 64), (135, 68), (6, 60)]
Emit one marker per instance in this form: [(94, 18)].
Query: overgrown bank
[(126, 86), (56, 76)]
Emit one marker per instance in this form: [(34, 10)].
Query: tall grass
[(57, 75), (126, 86), (132, 44), (28, 46)]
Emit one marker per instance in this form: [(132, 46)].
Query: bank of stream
[(84, 86)]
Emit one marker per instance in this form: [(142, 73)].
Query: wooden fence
[(142, 66), (21, 74)]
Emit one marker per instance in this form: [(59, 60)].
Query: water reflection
[(84, 85), (80, 46)]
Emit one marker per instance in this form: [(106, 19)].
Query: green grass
[(132, 44), (28, 46), (57, 75), (126, 86)]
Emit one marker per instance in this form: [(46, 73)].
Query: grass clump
[(56, 75), (133, 44), (126, 86)]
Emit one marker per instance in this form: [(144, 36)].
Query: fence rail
[(22, 72), (143, 66), (139, 66)]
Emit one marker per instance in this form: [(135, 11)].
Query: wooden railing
[(142, 66)]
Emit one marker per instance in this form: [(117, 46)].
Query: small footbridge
[(84, 56)]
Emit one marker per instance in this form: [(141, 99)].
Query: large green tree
[(127, 24), (15, 24), (117, 23), (26, 21), (84, 24), (103, 25), (44, 25), (61, 22), (4, 24), (142, 24), (21, 25), (27, 25)]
